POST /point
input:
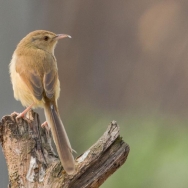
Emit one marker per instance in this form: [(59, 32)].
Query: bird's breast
[(20, 88)]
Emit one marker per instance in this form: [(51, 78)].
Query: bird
[(34, 76)]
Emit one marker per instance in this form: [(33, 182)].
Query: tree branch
[(32, 162)]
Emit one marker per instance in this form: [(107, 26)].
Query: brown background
[(124, 58)]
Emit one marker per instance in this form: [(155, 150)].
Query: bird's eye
[(46, 38)]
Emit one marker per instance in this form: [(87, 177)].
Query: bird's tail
[(60, 137)]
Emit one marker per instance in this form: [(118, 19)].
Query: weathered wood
[(32, 163)]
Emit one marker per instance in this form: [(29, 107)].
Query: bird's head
[(41, 39)]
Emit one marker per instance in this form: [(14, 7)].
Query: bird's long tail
[(60, 137)]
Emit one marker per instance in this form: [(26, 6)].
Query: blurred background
[(127, 61)]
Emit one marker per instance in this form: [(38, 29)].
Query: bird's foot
[(20, 115), (45, 125), (15, 113)]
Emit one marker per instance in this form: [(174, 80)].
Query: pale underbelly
[(23, 94)]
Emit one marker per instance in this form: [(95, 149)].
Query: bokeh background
[(127, 61)]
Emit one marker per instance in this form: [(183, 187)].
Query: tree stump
[(32, 162)]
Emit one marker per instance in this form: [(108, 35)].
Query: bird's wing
[(50, 81), (30, 77), (40, 77)]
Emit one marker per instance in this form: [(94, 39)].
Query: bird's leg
[(22, 114)]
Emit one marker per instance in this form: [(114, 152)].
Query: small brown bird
[(34, 76)]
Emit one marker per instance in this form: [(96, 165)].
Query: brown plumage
[(34, 76)]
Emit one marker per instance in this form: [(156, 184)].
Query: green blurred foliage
[(158, 148)]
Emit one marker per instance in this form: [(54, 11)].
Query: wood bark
[(32, 162)]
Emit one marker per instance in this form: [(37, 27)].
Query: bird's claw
[(15, 113), (45, 125), (18, 116)]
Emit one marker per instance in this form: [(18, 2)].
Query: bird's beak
[(61, 36)]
